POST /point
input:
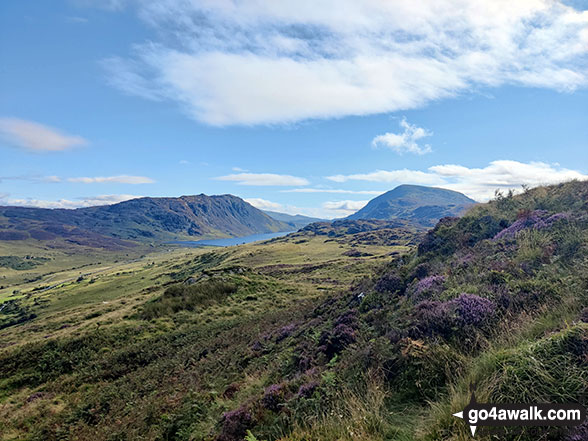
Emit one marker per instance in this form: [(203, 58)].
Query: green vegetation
[(21, 263), (187, 298), (342, 332)]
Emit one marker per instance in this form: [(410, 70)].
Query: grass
[(103, 315), (299, 338)]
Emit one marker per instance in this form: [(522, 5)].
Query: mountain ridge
[(143, 219)]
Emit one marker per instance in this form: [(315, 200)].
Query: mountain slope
[(288, 350), (422, 205), (297, 220), (147, 218)]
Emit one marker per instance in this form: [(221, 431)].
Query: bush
[(307, 389), (431, 285), (389, 283), (182, 297), (235, 424), (273, 396), (473, 310), (334, 341), (461, 317)]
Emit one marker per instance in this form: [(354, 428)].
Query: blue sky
[(295, 106)]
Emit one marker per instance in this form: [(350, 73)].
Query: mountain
[(146, 218), (297, 221), (419, 204), (247, 342)]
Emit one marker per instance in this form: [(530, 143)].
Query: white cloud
[(264, 204), (264, 179), (89, 201), (121, 179), (32, 178), (334, 191), (183, 162), (404, 175), (405, 142), (256, 62), (343, 208), (477, 183), (37, 137)]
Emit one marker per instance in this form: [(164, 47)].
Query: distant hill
[(152, 219), (297, 221), (422, 205)]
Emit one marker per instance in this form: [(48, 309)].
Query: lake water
[(230, 241)]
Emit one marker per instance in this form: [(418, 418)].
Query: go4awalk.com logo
[(485, 414)]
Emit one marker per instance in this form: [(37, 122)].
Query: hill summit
[(147, 218), (419, 204)]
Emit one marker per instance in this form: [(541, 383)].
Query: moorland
[(346, 330)]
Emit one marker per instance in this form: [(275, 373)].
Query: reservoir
[(229, 241)]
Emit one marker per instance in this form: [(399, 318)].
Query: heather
[(226, 352)]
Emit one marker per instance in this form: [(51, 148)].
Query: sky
[(311, 107)]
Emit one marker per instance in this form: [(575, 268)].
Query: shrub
[(235, 424), (337, 339), (307, 389), (473, 310), (273, 396), (429, 285), (182, 297), (584, 315), (432, 317), (457, 317), (389, 283), (578, 433), (537, 219), (285, 332)]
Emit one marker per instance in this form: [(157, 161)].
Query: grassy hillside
[(315, 336)]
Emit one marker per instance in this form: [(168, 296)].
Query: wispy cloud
[(344, 208), (121, 179), (89, 201), (37, 137), (274, 62), (264, 179), (76, 19), (32, 178), (112, 5), (334, 191), (405, 142), (264, 204), (327, 210), (404, 175), (477, 183)]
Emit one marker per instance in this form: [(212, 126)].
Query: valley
[(350, 330)]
